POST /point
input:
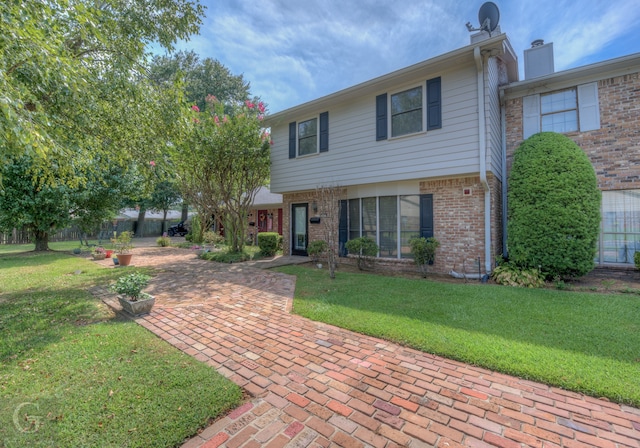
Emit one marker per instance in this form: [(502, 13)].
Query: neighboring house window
[(569, 110), (620, 228), (406, 112), (309, 136), (392, 221), (403, 113), (559, 111)]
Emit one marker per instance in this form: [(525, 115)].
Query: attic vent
[(467, 192)]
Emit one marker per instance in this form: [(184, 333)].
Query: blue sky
[(294, 51)]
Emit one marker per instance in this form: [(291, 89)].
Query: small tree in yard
[(328, 197), (424, 252), (362, 247), (554, 207)]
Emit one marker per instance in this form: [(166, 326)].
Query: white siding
[(355, 157)]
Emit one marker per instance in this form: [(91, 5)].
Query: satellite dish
[(488, 16)]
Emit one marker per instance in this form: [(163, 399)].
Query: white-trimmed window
[(308, 137), (559, 111), (406, 112), (620, 226), (567, 110)]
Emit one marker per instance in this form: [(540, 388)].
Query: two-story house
[(416, 152), (598, 107)]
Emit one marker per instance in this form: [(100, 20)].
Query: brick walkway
[(317, 385)]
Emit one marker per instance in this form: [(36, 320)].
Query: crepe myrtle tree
[(224, 160)]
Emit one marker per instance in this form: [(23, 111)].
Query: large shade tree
[(72, 79)]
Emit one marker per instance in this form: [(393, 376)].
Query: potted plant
[(98, 253), (123, 245), (131, 298)]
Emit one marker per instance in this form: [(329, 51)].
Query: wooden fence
[(22, 236)]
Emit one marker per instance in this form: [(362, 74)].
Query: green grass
[(579, 341), (72, 374)]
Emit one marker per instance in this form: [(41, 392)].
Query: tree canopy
[(73, 82)]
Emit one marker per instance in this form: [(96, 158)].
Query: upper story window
[(569, 110), (559, 111), (308, 137), (406, 112), (403, 113)]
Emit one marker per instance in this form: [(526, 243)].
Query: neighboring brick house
[(598, 107), (265, 214), (415, 152)]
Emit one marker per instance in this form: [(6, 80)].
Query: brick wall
[(458, 224), (614, 149)]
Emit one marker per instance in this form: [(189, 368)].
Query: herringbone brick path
[(321, 386)]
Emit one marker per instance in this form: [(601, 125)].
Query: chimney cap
[(537, 43)]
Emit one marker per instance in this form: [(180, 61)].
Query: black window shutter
[(343, 229), (292, 140), (324, 132), (434, 104), (426, 215), (381, 117)]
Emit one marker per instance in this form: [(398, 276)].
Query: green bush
[(511, 275), (636, 259), (227, 257), (196, 230), (268, 243), (131, 286), (316, 249), (163, 241), (554, 207), (212, 238), (362, 247), (424, 252)]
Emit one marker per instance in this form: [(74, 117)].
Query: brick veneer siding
[(458, 224), (614, 149)]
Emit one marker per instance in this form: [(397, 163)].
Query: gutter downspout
[(503, 131), (482, 137)]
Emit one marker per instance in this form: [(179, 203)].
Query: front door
[(299, 229)]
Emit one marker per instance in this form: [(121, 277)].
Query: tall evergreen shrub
[(554, 207)]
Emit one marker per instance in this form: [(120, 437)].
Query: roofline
[(609, 68), (493, 43)]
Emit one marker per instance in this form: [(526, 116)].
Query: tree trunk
[(140, 229), (42, 241), (164, 221), (185, 212)]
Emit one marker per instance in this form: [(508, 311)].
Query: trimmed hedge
[(554, 207), (269, 243)]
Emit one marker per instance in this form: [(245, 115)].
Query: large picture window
[(406, 112), (391, 221)]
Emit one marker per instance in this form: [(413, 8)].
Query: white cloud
[(296, 51)]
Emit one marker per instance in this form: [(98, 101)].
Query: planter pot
[(124, 259), (137, 308), (77, 250), (115, 261), (109, 252), (99, 256)]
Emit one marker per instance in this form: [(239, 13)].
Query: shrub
[(164, 241), (554, 207), (636, 259), (212, 238), (316, 249), (268, 243), (362, 247), (227, 257), (131, 285), (511, 275), (424, 252)]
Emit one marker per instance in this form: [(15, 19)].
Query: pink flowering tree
[(224, 161)]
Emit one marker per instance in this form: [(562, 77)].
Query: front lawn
[(579, 341), (73, 374)]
